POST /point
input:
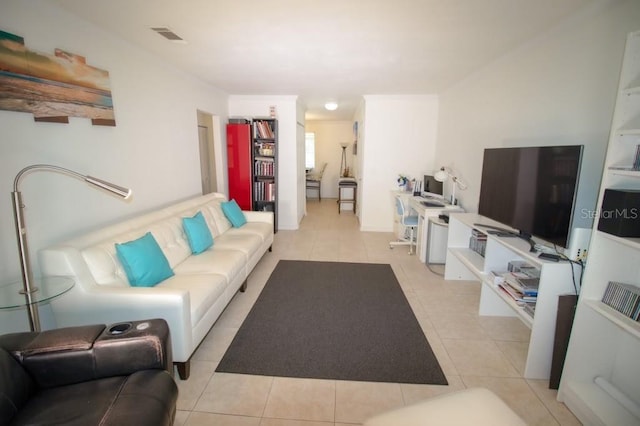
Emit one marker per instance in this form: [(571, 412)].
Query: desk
[(415, 202)]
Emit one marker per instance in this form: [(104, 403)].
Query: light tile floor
[(473, 351)]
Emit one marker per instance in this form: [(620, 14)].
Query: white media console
[(556, 279)]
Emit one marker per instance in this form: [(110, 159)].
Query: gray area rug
[(331, 320)]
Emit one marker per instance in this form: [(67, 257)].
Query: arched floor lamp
[(21, 230), (344, 169)]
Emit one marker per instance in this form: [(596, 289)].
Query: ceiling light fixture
[(331, 106)]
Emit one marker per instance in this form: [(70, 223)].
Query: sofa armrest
[(258, 216), (77, 354), (85, 304)]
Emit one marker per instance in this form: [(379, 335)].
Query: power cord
[(578, 262)]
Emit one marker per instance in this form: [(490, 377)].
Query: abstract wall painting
[(52, 87)]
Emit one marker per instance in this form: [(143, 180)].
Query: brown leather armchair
[(89, 375)]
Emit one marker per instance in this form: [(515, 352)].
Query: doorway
[(208, 176)]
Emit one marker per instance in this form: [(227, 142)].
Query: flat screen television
[(532, 189)]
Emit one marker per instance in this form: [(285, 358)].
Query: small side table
[(344, 184), (48, 288)]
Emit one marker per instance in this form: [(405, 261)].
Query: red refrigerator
[(239, 163)]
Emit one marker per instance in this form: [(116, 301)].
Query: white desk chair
[(314, 180), (406, 221)]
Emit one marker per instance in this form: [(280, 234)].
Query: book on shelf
[(264, 191), (496, 277), (263, 130), (516, 296), (530, 308), (478, 242), (624, 298), (264, 167), (524, 267), (522, 282), (478, 234)]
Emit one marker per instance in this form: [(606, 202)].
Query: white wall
[(287, 112), (329, 135), (153, 149), (400, 138), (358, 117), (558, 89), (301, 171)]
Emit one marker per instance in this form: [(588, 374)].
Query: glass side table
[(12, 295)]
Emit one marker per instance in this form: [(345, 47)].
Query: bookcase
[(265, 165), (556, 278), (601, 378), (252, 164)]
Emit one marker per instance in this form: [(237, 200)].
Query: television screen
[(532, 189), (432, 186)]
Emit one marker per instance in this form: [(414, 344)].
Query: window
[(309, 151)]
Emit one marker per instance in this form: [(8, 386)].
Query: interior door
[(205, 170)]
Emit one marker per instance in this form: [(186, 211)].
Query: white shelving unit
[(605, 345), (555, 279)]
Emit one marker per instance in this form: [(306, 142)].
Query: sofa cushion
[(216, 260), (262, 229), (207, 213), (16, 386), (169, 233), (232, 211), (197, 232), (111, 401), (221, 221), (104, 265), (247, 243), (143, 261), (204, 290)]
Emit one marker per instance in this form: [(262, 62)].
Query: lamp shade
[(108, 186), (441, 175)]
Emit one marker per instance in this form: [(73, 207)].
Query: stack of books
[(624, 298), (523, 266), (264, 191), (478, 241), (521, 287), (520, 283), (262, 130), (264, 167)]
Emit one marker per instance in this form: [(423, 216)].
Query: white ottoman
[(476, 406)]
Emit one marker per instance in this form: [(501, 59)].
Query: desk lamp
[(445, 173), (21, 229)]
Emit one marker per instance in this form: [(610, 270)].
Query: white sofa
[(190, 301)]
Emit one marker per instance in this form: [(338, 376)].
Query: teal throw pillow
[(197, 232), (143, 261), (232, 211)]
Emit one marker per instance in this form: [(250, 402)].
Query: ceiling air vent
[(168, 34)]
